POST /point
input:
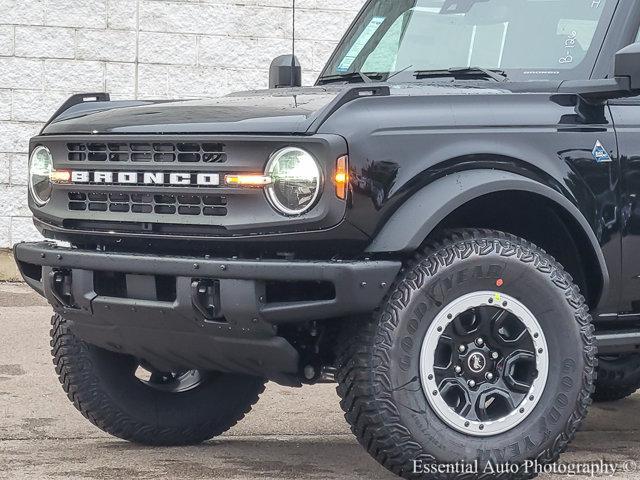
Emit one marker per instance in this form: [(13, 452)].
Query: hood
[(290, 111), (283, 111)]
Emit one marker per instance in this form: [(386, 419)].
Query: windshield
[(526, 39)]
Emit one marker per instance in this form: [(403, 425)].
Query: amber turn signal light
[(342, 177)]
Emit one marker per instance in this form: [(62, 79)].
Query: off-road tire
[(618, 378), (379, 372), (97, 383)]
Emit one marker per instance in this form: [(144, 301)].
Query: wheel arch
[(446, 202)]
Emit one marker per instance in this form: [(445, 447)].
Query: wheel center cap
[(477, 362)]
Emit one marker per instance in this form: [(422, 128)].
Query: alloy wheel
[(484, 363)]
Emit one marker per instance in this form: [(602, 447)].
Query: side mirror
[(625, 83), (285, 71), (628, 65)]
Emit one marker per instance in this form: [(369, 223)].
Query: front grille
[(146, 203), (141, 152)]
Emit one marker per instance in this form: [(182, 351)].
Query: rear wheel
[(131, 400), (484, 351), (618, 377)]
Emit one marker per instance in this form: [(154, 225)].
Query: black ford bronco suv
[(447, 224)]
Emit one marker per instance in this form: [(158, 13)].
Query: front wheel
[(483, 354), (131, 400)]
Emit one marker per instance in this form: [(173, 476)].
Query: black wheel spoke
[(447, 340), (497, 319), (506, 350), (444, 372), (487, 316)]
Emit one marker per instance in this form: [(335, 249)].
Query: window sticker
[(359, 44), (581, 31)]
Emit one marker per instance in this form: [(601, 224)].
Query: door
[(626, 117)]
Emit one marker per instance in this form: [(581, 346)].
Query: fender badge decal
[(600, 153)]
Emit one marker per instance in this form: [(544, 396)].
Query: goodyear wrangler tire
[(179, 408), (618, 377), (483, 351)]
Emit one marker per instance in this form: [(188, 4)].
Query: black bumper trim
[(175, 333), (360, 285)]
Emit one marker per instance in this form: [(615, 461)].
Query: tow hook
[(204, 297), (60, 287)]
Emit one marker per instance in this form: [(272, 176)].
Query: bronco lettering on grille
[(146, 178)]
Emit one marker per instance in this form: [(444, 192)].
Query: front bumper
[(199, 312)]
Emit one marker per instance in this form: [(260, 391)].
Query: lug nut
[(458, 369), (489, 376), (495, 355), (462, 349), (472, 383), (480, 342)]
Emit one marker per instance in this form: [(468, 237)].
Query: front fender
[(405, 231)]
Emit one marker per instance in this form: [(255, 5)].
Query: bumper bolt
[(223, 267)]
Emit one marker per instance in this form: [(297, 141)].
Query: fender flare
[(403, 232)]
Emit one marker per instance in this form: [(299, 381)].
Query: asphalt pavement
[(290, 434)]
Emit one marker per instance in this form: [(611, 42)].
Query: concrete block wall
[(50, 49)]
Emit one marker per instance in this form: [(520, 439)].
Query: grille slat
[(139, 152), (142, 203)]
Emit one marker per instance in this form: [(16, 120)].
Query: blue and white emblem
[(600, 153)]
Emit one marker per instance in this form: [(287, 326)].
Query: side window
[(638, 37)]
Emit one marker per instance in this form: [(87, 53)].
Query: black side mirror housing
[(625, 83), (627, 64), (285, 71)]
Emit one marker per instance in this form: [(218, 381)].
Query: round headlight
[(295, 181), (40, 167)]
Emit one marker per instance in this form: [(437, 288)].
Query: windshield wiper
[(350, 77), (497, 75)]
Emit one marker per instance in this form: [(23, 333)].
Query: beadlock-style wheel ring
[(484, 363)]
